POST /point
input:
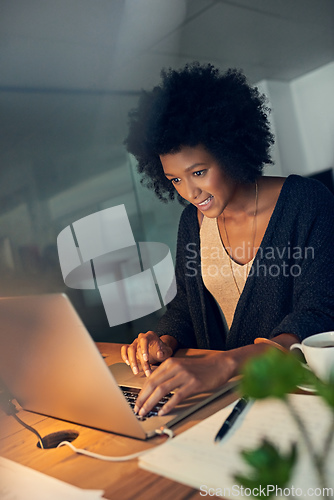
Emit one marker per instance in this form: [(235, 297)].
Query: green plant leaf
[(325, 390), (270, 468), (273, 374)]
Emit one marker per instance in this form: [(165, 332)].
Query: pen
[(238, 408)]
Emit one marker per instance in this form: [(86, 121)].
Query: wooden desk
[(123, 480)]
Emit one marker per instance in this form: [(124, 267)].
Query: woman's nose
[(193, 192)]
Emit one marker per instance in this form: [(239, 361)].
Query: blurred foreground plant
[(276, 374)]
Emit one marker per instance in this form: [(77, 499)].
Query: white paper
[(18, 482), (194, 459)]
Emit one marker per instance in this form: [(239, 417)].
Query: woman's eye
[(198, 173), (176, 180)]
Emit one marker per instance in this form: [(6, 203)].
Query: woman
[(254, 254)]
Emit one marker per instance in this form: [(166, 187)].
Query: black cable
[(10, 409), (31, 429)]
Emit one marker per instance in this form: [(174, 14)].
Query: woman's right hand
[(147, 349)]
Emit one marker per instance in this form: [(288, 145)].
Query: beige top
[(216, 269)]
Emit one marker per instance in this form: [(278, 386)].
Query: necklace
[(253, 240)]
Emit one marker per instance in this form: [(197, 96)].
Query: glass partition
[(62, 159)]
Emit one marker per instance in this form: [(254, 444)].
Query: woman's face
[(199, 179)]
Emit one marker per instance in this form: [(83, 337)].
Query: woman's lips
[(204, 205)]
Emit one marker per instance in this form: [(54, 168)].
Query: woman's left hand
[(199, 373), (188, 376)]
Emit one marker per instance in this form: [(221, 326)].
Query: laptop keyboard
[(131, 394)]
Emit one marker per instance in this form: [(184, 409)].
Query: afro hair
[(200, 105)]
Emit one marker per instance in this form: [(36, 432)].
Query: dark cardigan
[(290, 287)]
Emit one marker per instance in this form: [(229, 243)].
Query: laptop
[(51, 365)]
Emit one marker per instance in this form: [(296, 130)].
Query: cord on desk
[(124, 458), (31, 429), (10, 409)]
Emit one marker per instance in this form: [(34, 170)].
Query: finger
[(181, 394), (150, 402), (124, 354), (163, 351), (151, 344), (132, 356), (171, 375), (165, 379), (186, 385), (143, 340), (142, 353)]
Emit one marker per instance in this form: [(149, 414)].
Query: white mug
[(319, 353)]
